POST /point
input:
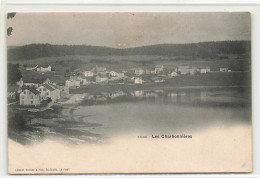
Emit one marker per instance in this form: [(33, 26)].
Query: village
[(40, 92)]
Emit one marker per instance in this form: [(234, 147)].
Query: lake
[(165, 111)]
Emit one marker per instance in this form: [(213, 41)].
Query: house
[(101, 78), (204, 70), (138, 80), (139, 71), (223, 69), (112, 74), (49, 91), (72, 83), (64, 92), (31, 67), (158, 68), (83, 81), (88, 74), (30, 97), (185, 70), (56, 90), (116, 75), (44, 68), (120, 75), (173, 74)]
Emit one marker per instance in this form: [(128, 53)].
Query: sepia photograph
[(129, 92)]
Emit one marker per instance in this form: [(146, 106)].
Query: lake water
[(165, 111)]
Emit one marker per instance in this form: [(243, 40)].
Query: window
[(40, 89), (31, 96), (31, 102), (44, 89), (24, 92), (47, 93)]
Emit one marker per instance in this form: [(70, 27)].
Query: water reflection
[(198, 97)]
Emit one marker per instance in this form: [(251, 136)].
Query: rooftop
[(34, 91)]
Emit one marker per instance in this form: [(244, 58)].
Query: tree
[(13, 73)]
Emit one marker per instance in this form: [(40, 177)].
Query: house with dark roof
[(33, 81), (49, 91), (30, 97)]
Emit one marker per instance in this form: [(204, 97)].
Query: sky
[(123, 30)]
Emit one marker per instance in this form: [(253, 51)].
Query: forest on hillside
[(211, 50)]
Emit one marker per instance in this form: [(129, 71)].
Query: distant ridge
[(202, 49)]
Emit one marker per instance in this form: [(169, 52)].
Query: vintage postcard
[(132, 92)]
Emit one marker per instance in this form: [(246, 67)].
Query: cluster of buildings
[(102, 75), (96, 74), (33, 92)]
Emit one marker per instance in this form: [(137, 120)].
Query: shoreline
[(100, 88)]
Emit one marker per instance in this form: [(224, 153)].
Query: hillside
[(211, 50)]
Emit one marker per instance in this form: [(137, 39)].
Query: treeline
[(203, 50)]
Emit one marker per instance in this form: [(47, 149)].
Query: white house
[(138, 81), (44, 68), (30, 97), (88, 74), (185, 69), (72, 83), (204, 70), (49, 91), (112, 74)]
